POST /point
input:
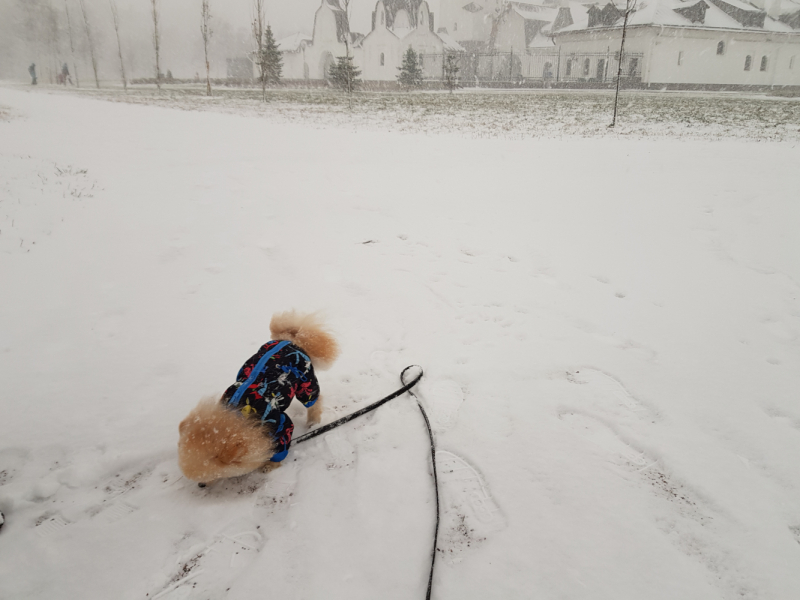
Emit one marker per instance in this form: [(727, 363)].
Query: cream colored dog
[(247, 428)]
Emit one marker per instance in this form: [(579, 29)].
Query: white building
[(379, 53), (394, 31), (690, 42), (681, 43), (469, 22)]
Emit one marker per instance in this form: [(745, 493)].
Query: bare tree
[(258, 37), (205, 30), (115, 15), (156, 43), (348, 59), (629, 6), (91, 42), (72, 45)]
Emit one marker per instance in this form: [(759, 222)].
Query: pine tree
[(410, 72), (451, 70), (272, 59), (344, 74)]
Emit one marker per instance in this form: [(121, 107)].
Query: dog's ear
[(232, 452)]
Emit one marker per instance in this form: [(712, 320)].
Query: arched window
[(764, 63), (587, 65), (382, 59), (721, 48), (748, 62)]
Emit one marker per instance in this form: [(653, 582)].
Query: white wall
[(699, 62)]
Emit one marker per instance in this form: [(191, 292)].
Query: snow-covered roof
[(542, 41), (294, 42), (472, 7), (705, 14), (534, 12), (449, 43)]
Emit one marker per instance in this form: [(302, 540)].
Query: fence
[(536, 67)]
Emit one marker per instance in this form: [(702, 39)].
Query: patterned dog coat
[(266, 385)]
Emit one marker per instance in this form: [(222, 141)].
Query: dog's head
[(216, 443)]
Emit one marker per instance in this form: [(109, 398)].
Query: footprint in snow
[(342, 453), (607, 393), (207, 570), (117, 502), (442, 399), (469, 514)]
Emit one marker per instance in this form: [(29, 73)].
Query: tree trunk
[(205, 29), (119, 44), (156, 44), (621, 56), (72, 46), (91, 43)]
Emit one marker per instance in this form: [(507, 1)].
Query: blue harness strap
[(257, 370)]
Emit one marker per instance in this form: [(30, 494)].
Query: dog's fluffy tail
[(308, 332)]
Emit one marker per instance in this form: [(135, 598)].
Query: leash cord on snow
[(325, 428), (406, 388), (435, 481)]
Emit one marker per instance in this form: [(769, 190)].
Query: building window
[(382, 59), (601, 69), (748, 62), (680, 58), (634, 69), (569, 67), (764, 62), (587, 66), (720, 48)]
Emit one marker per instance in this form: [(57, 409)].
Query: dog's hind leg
[(314, 413)]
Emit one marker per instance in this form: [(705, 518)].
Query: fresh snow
[(609, 330)]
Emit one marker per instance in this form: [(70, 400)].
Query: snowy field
[(479, 113), (609, 327)]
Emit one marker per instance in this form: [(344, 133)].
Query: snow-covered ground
[(482, 113), (610, 331)]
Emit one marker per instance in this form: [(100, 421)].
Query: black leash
[(406, 388), (435, 481), (325, 428)]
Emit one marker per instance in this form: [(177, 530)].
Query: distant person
[(548, 75), (65, 75), (32, 71)]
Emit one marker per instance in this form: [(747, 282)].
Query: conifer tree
[(410, 75), (272, 59), (451, 69), (344, 74)]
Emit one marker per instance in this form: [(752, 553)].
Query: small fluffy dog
[(247, 428)]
